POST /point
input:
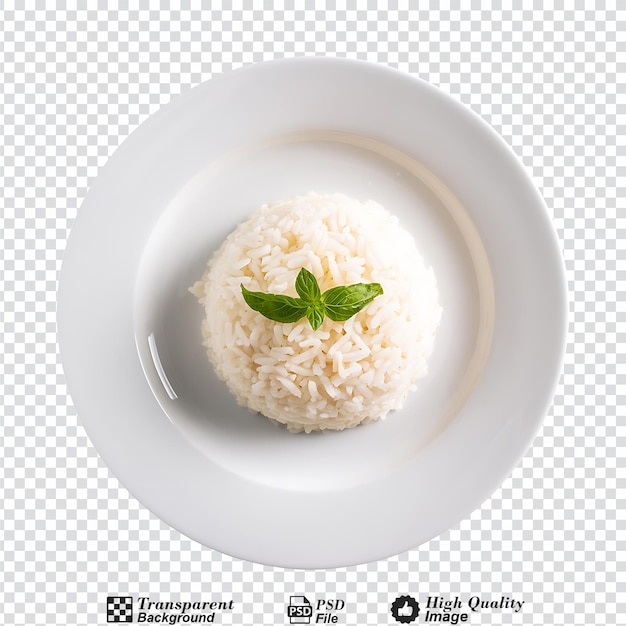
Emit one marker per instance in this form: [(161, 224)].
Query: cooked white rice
[(344, 373)]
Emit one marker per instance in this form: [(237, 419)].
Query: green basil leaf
[(341, 303), (275, 307), (307, 287), (315, 314)]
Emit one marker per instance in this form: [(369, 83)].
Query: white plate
[(129, 329)]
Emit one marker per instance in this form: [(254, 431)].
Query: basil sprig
[(338, 303)]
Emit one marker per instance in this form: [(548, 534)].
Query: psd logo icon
[(405, 609), (299, 610), (119, 609)]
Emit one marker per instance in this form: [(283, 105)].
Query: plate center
[(167, 317)]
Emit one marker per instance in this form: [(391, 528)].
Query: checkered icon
[(119, 609)]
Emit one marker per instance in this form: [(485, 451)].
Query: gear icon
[(405, 609)]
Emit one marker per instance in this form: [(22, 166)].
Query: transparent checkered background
[(75, 83)]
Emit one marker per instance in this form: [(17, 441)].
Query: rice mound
[(344, 373)]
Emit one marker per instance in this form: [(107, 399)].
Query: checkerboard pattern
[(75, 82), (120, 609)]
